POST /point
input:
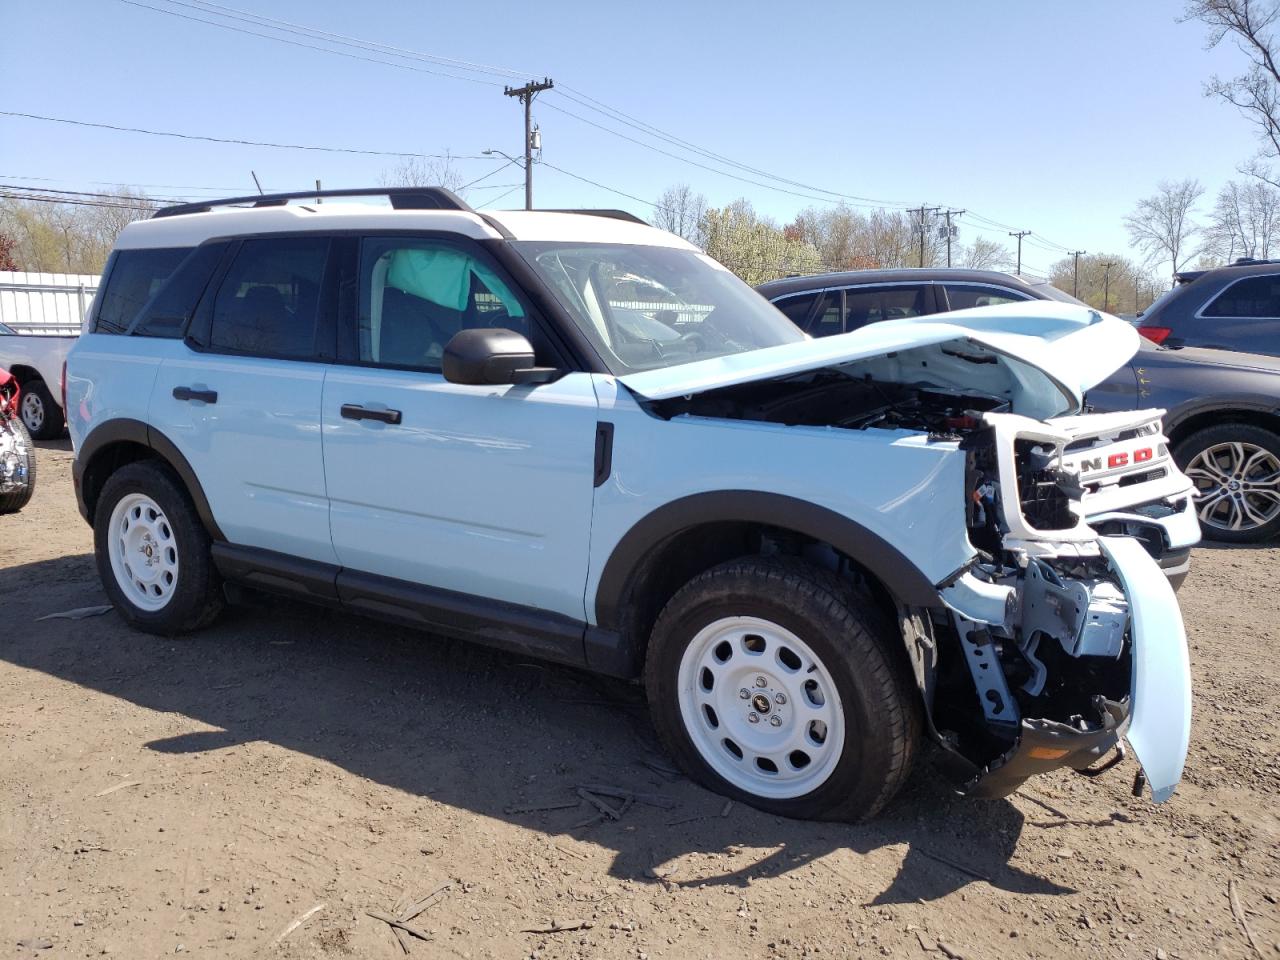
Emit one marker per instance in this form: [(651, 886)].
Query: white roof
[(191, 229)]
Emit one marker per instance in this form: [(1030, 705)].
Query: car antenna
[(255, 181)]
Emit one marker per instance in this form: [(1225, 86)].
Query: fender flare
[(1244, 402), (124, 429), (902, 577)]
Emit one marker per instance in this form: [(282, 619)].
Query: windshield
[(646, 307)]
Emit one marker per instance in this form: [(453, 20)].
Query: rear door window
[(963, 296), (133, 278), (873, 304), (268, 302), (1250, 297), (167, 313)]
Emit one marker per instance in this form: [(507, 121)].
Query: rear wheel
[(40, 412), (17, 466), (774, 682), (1236, 471), (153, 553)]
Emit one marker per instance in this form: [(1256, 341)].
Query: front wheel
[(1236, 471), (774, 682), (153, 553)]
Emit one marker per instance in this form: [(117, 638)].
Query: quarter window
[(416, 294), (964, 297), (1251, 297), (268, 302), (133, 278)]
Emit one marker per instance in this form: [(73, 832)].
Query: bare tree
[(425, 172), (1256, 92), (1161, 225), (682, 212), (1245, 221), (984, 254)]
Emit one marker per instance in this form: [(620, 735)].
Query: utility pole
[(1019, 234), (949, 214), (526, 95), (923, 211), (1106, 286), (1075, 283)]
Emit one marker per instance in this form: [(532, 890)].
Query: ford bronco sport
[(578, 437)]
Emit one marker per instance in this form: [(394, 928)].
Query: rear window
[(133, 277), (1251, 297)]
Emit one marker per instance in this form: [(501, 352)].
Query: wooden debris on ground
[(118, 786), (300, 921), (557, 927), (1238, 912), (79, 613), (407, 911)]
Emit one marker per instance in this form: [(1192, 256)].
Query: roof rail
[(402, 198), (1250, 262), (611, 214)]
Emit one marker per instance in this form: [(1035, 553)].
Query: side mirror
[(486, 355)]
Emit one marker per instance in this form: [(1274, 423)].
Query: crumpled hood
[(1042, 355)]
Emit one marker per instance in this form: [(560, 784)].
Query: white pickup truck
[(36, 362)]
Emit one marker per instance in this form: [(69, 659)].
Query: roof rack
[(402, 198), (611, 214), (1250, 262)]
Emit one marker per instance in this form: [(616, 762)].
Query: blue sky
[(1053, 117)]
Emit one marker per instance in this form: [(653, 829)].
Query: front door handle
[(190, 393), (353, 411)]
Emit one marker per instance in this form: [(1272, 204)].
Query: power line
[(236, 141), (617, 116), (295, 43)]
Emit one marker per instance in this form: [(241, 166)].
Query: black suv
[(840, 302), (1228, 308), (1222, 408)]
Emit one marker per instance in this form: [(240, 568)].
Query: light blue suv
[(577, 437)]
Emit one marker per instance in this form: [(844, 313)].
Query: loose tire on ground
[(1236, 470), (780, 638), (153, 553), (40, 412), (15, 500)]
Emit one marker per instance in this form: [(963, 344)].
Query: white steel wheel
[(1237, 485), (32, 411), (143, 552), (761, 707)]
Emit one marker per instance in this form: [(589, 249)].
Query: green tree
[(755, 247)]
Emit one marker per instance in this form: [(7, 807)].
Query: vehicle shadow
[(62, 444), (487, 732)]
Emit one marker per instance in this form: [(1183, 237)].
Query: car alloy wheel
[(32, 411), (760, 707), (1237, 485), (143, 552)]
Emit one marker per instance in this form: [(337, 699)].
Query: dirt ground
[(202, 795)]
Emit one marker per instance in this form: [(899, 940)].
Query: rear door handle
[(353, 411), (188, 393)]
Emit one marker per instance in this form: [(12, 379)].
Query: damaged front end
[(1061, 642)]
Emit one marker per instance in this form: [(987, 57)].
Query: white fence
[(52, 304)]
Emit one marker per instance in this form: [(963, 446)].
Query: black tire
[(856, 645), (1254, 437), (197, 598), (15, 500), (52, 422)]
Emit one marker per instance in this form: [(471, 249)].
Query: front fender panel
[(1160, 720)]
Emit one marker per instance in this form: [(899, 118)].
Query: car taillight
[(1156, 334), (64, 385)]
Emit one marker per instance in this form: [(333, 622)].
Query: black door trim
[(507, 626)]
